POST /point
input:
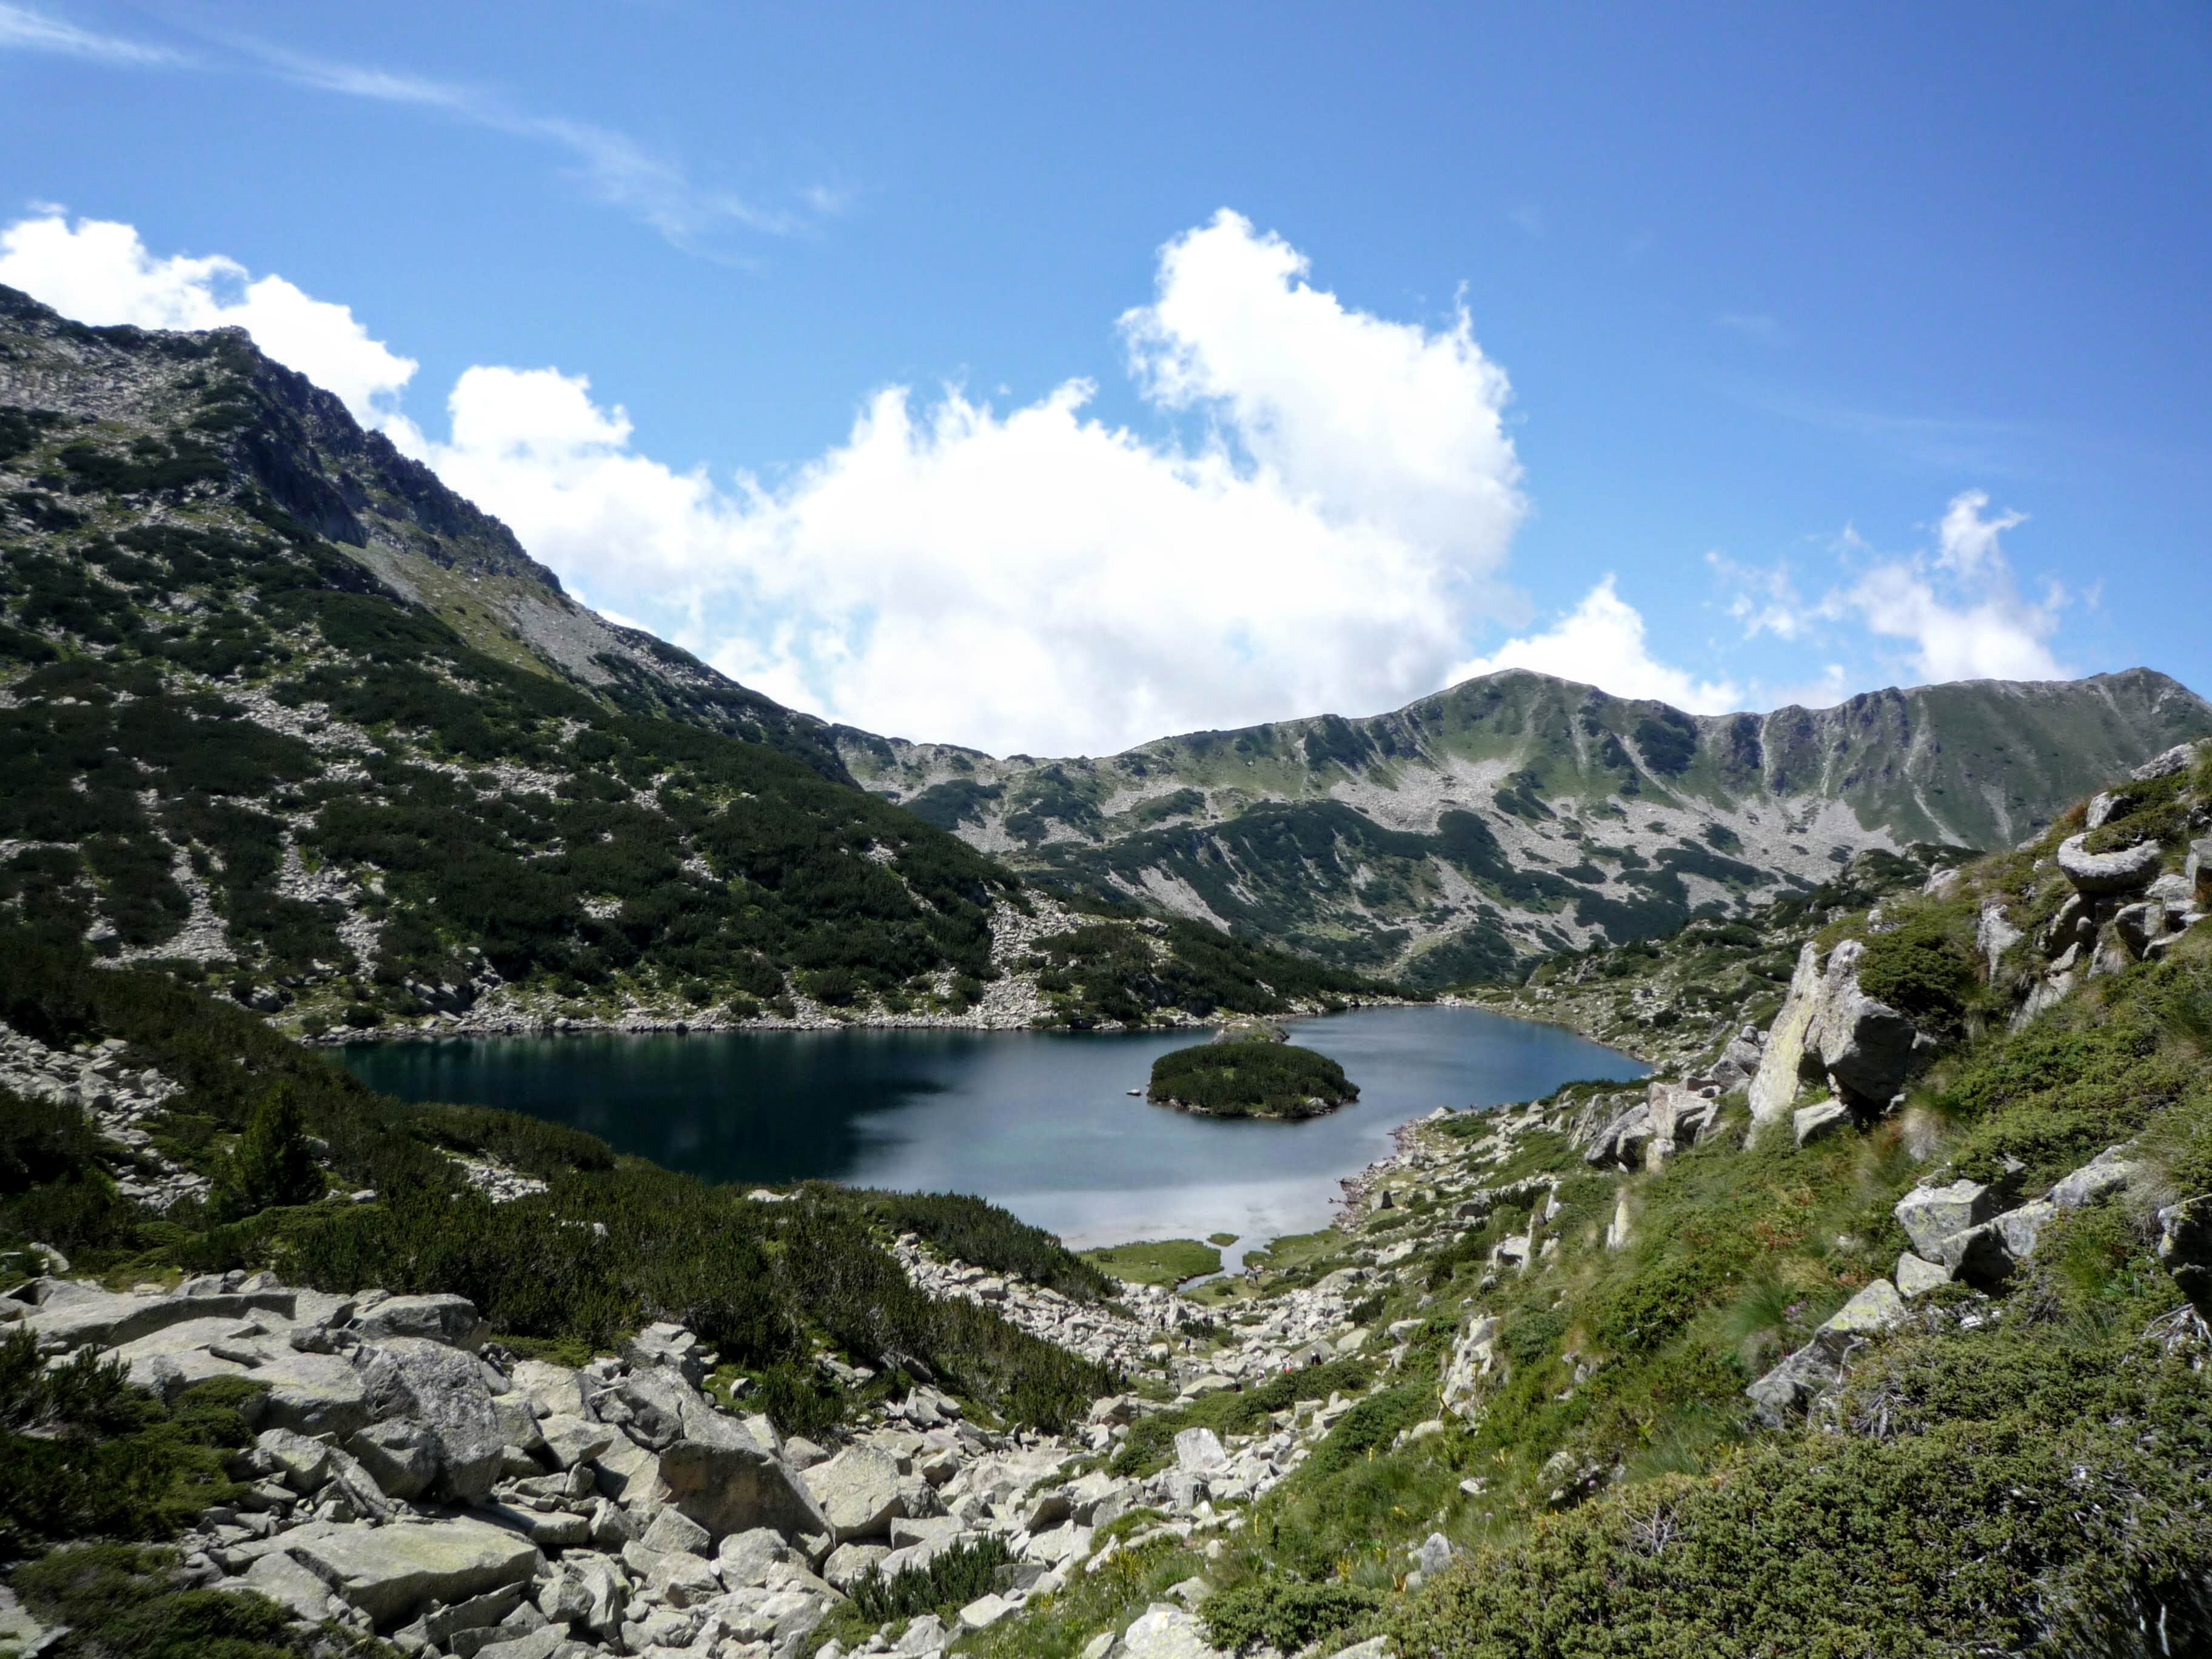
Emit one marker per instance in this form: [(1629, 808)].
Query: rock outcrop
[(1830, 1031)]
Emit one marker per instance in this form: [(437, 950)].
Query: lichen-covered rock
[(862, 1490), (1868, 1050), (449, 1319), (1931, 1214), (391, 1572), (1793, 1385), (1781, 1061), (1822, 1118), (2185, 1246), (442, 1390), (2098, 873)]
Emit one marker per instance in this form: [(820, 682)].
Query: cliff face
[(1518, 812)]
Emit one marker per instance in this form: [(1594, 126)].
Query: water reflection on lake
[(1041, 1123)]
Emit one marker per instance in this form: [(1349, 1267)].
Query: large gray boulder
[(710, 1467), (1931, 1214), (1868, 1050), (862, 1490), (68, 1313), (2099, 873), (441, 1318), (2184, 1246), (1792, 1386), (444, 1390), (1165, 1631), (1782, 1061), (392, 1572)]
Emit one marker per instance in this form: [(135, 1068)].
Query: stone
[(2099, 873), (2184, 1249), (71, 1315), (938, 1530), (849, 1564), (444, 1390), (926, 1634), (1434, 1555), (1916, 1278), (1822, 1118), (1781, 1061), (1375, 1647), (744, 1558), (302, 1464), (1198, 1451), (518, 1423), (571, 1440), (1868, 1050), (802, 1454), (1877, 1308), (669, 1345), (1931, 1214), (401, 1456), (1979, 1256), (672, 1529), (861, 1492), (2197, 870), (627, 1473), (684, 1579), (1792, 1386), (606, 1591), (389, 1573), (2180, 758), (545, 1643), (985, 1611), (554, 1390), (1994, 934), (1165, 1631), (712, 1469), (284, 1581), (2110, 1171), (451, 1320), (2021, 1227)]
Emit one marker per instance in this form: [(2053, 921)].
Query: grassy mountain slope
[(2016, 1461), (1517, 814), (277, 708)]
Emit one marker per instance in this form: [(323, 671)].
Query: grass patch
[(1157, 1261)]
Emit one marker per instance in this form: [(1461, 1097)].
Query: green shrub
[(126, 1601), (1282, 1613), (954, 1578), (1923, 967), (271, 1164)]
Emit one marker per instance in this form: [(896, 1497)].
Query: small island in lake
[(1241, 1074)]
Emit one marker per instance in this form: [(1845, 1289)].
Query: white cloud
[(612, 167), (1962, 613), (1031, 578), (1602, 642), (22, 29), (1957, 612), (99, 272), (1036, 578), (1966, 542)]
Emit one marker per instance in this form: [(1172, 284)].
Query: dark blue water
[(1039, 1122)]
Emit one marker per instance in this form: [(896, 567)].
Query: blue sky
[(1729, 354)]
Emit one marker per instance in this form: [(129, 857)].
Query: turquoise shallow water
[(1039, 1122)]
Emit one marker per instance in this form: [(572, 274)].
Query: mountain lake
[(1040, 1122)]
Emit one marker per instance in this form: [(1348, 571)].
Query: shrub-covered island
[(1250, 1079)]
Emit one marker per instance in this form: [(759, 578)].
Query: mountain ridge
[(1298, 829)]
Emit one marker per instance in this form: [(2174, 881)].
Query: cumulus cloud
[(99, 272), (1036, 578), (1329, 533), (1961, 613), (1603, 641), (1954, 612)]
